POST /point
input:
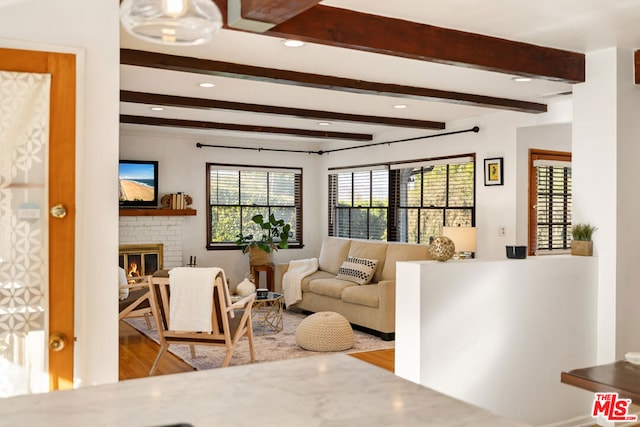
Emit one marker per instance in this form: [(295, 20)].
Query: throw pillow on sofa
[(357, 270)]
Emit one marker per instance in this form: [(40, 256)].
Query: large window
[(549, 202), (237, 193), (406, 202), (359, 203)]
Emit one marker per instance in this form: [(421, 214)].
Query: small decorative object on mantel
[(442, 248), (176, 200), (582, 244)]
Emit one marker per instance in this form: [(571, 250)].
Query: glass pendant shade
[(172, 22)]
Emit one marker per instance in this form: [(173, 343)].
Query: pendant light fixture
[(171, 22)]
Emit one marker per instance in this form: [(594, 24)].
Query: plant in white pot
[(274, 235), (582, 243)]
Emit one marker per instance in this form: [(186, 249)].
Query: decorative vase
[(259, 257), (442, 248), (245, 288), (582, 247)]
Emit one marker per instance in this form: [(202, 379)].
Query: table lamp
[(463, 237)]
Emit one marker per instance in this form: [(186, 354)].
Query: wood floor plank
[(384, 359), (137, 353)]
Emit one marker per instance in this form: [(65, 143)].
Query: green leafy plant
[(582, 231), (275, 235)]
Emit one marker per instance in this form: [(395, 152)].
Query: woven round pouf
[(325, 331)]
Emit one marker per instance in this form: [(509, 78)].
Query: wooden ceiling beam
[(274, 11), (196, 124), (294, 78), (214, 104), (378, 34)]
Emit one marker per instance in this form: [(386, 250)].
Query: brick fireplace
[(146, 230)]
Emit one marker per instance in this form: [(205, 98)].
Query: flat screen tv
[(138, 183)]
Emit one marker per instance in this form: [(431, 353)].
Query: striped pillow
[(357, 270)]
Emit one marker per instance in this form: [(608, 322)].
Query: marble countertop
[(327, 390)]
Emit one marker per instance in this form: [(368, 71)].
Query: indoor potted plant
[(581, 243), (274, 236)]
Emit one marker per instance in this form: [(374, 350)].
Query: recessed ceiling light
[(521, 79), (400, 106), (293, 43), (324, 124), (206, 84), (157, 109)]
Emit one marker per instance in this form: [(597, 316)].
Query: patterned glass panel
[(24, 127)]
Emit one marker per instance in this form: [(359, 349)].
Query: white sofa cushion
[(329, 287), (333, 253), (370, 250)]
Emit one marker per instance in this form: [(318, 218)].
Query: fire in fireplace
[(141, 259)]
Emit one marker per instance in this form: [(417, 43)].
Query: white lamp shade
[(172, 22), (463, 237)]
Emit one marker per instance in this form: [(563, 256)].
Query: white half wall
[(498, 334)]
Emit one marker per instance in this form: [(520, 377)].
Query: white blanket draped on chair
[(192, 298), (292, 279)]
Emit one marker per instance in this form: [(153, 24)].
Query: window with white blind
[(237, 193), (549, 201), (359, 203), (433, 194), (406, 202)]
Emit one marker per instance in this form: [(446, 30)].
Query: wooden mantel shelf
[(157, 212)]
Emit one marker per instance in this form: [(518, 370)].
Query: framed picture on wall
[(493, 174)]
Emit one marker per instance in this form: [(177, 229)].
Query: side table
[(266, 314), (269, 270)]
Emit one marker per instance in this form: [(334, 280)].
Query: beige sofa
[(371, 306)]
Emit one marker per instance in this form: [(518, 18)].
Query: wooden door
[(61, 191)]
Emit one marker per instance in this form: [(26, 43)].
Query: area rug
[(267, 347)]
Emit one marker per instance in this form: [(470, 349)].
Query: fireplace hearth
[(141, 259)]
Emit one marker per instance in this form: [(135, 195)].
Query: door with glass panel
[(37, 216)]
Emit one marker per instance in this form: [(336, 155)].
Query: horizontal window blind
[(358, 203), (238, 193), (553, 207), (408, 201)]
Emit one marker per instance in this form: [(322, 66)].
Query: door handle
[(57, 342), (59, 211)]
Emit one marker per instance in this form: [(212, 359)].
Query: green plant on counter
[(582, 231)]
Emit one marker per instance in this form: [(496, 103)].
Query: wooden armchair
[(137, 303), (230, 322)]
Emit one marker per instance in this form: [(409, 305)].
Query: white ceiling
[(576, 25)]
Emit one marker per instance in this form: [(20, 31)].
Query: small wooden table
[(269, 270), (621, 377)]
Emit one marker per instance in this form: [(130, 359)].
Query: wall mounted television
[(138, 183)]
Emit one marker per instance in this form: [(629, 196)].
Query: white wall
[(89, 29), (182, 167), (554, 137), (496, 206), (605, 175)]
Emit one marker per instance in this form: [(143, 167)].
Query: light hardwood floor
[(137, 353)]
